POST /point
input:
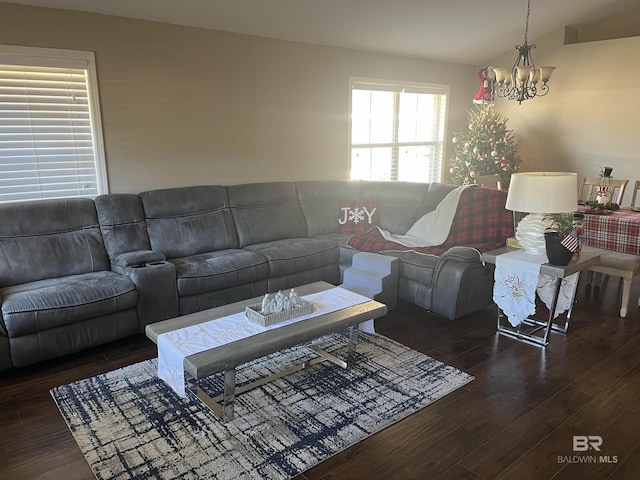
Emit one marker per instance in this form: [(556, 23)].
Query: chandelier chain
[(526, 25)]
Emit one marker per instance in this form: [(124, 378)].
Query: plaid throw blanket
[(481, 222)]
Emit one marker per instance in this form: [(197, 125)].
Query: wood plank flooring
[(516, 420)]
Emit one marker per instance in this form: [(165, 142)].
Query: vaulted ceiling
[(462, 31)]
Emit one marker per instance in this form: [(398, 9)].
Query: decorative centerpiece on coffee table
[(278, 309)]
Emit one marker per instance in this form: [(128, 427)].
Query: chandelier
[(524, 80)]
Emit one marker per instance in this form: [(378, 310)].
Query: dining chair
[(636, 187), (489, 181), (618, 186)]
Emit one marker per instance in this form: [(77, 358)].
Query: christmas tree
[(485, 149)]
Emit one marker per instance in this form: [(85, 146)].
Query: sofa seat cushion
[(416, 266), (341, 239), (218, 270), (297, 254), (44, 304)]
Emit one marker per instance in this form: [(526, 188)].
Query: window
[(397, 130), (50, 131)]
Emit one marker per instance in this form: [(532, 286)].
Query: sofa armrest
[(137, 258), (462, 283), (157, 290)]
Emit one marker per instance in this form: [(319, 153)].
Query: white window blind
[(397, 130), (50, 145)]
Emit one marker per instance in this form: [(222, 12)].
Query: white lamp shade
[(543, 192)]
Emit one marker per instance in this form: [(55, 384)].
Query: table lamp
[(540, 194)]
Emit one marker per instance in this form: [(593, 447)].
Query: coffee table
[(226, 357)]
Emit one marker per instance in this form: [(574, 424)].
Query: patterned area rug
[(128, 424)]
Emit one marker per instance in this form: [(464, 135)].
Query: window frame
[(55, 57), (378, 84)]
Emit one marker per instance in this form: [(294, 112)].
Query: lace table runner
[(518, 278), (174, 346)]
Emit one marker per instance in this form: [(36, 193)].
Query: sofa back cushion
[(320, 202), (435, 195), (189, 220), (264, 212), (398, 203), (122, 222), (49, 239)]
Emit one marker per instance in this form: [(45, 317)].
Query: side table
[(539, 334)]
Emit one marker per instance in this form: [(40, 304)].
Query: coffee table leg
[(353, 341), (221, 405), (229, 396)]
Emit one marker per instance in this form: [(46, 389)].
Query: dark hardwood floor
[(516, 420)]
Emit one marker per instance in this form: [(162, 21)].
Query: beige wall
[(626, 24), (185, 106), (590, 118)]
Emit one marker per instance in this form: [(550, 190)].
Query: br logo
[(583, 443)]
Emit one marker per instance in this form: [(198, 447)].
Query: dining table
[(617, 230), (616, 235)]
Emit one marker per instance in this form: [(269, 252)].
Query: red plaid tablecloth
[(619, 231)]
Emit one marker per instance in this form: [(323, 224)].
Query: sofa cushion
[(264, 212), (416, 266), (44, 304), (49, 238), (122, 222), (297, 254), (218, 270), (398, 203), (346, 252), (435, 194), (320, 200), (189, 220)]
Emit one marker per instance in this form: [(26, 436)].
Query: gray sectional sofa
[(78, 273)]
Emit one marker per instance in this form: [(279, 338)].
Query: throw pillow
[(357, 216)]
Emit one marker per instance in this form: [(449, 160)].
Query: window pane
[(371, 163), (397, 132), (47, 147), (381, 117), (360, 114), (371, 117), (408, 128), (417, 164)]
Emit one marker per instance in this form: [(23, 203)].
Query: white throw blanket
[(433, 228)]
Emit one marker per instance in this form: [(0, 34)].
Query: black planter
[(557, 253)]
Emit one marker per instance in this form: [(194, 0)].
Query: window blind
[(397, 130), (46, 140)]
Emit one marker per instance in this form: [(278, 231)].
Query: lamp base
[(530, 233)]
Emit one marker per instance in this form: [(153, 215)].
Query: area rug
[(129, 424)]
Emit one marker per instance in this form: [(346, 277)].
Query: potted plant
[(559, 227)]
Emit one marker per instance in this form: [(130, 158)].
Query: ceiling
[(461, 31)]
